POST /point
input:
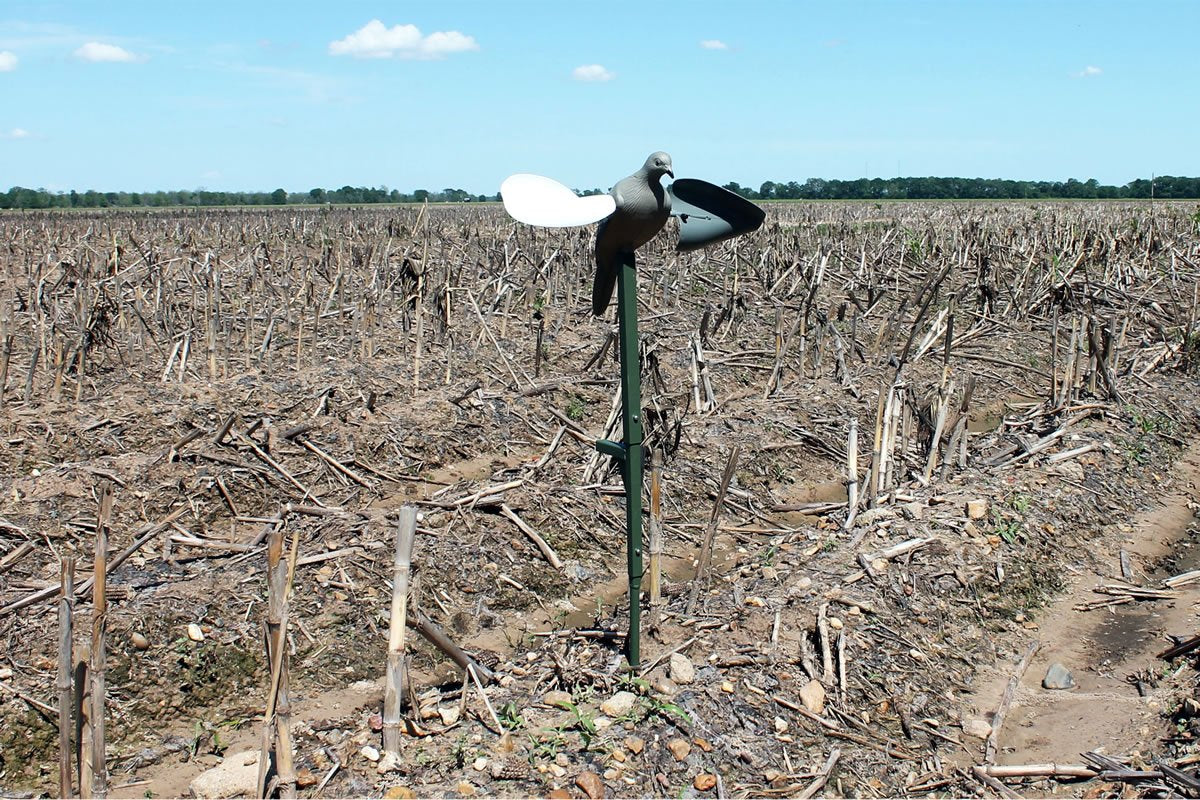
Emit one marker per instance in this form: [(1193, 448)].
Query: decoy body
[(631, 214), (643, 207)]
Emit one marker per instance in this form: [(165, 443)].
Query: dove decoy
[(642, 208)]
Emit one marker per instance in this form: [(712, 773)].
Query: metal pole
[(630, 451)]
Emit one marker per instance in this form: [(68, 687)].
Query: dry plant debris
[(1000, 387)]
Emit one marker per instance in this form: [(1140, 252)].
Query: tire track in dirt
[(1102, 648)]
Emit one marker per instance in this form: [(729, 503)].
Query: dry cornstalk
[(851, 474), (394, 686), (66, 610), (711, 531), (277, 718), (96, 671), (1039, 771), (655, 576)]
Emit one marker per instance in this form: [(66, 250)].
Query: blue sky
[(255, 95)]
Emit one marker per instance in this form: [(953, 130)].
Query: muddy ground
[(178, 353)]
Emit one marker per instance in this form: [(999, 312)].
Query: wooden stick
[(542, 544), (823, 639), (992, 743), (334, 463), (822, 777), (996, 786), (66, 609), (393, 693), (438, 638)]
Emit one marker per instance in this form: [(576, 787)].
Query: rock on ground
[(681, 670), (1058, 677), (236, 776)]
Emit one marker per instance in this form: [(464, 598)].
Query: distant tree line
[(20, 197), (1165, 187)]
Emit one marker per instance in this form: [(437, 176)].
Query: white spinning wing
[(535, 200)]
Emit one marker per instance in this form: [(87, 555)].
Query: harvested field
[(1019, 379)]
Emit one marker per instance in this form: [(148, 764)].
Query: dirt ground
[(230, 373)]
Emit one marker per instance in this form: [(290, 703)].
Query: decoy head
[(657, 165)]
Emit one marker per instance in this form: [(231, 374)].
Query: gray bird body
[(643, 207)]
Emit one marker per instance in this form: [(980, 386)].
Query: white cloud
[(594, 73), (16, 133), (714, 44), (1088, 72), (97, 51), (8, 61), (376, 40)]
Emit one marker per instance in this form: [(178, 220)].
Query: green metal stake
[(630, 451)]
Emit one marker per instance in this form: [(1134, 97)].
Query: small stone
[(5, 674), (977, 509), (611, 774), (388, 762), (140, 642), (665, 686), (703, 744), (757, 602), (480, 764), (680, 748), (369, 753), (305, 777), (726, 687), (235, 776), (559, 794), (770, 573), (558, 699), (619, 704), (780, 725), (619, 756), (1058, 677), (194, 633), (634, 744), (449, 715), (836, 623), (873, 515), (980, 729), (704, 781), (375, 722), (591, 784), (812, 695), (399, 793), (557, 770), (562, 760), (681, 670), (465, 788), (913, 510), (1069, 469)]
